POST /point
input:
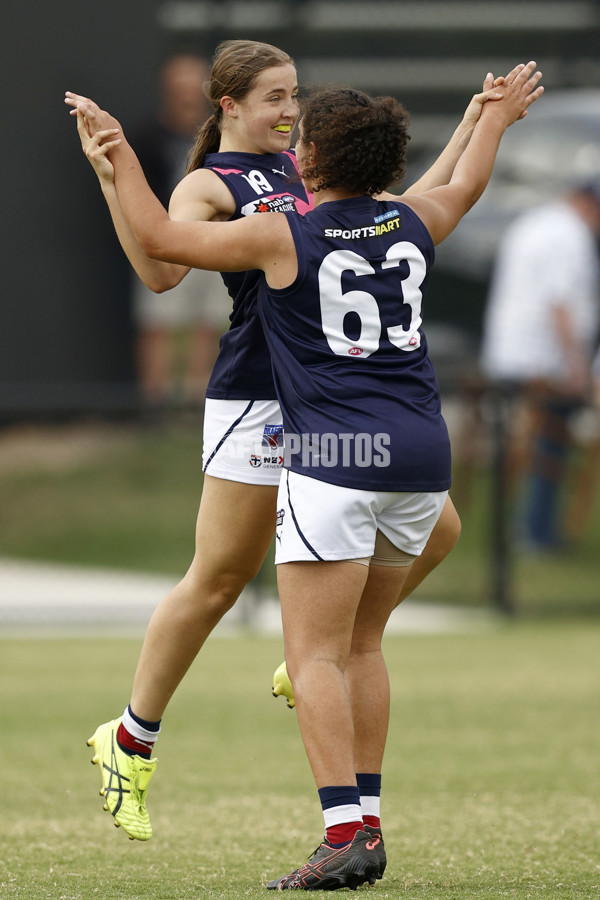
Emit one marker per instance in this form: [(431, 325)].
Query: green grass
[(132, 502), (491, 778)]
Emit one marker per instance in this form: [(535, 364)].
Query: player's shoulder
[(412, 214), (203, 186), (201, 182), (396, 205), (276, 226)]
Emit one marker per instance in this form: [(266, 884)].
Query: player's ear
[(229, 106)]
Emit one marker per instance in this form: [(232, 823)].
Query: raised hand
[(519, 89), (492, 91), (489, 92), (96, 119), (97, 130), (97, 147)]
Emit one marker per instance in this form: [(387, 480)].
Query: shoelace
[(297, 871)]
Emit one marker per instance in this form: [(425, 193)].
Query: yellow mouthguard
[(284, 128)]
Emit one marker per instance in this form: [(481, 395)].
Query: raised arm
[(201, 196), (441, 171), (259, 242), (442, 208)]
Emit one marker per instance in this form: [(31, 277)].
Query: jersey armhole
[(422, 227), (294, 221), (232, 190)]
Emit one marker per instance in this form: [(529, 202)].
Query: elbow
[(476, 194), (469, 199), (158, 286), (149, 245), (146, 234), (161, 278), (161, 275)]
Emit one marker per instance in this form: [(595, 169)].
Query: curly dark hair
[(361, 140)]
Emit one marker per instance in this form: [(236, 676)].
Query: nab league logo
[(272, 446), (273, 203)]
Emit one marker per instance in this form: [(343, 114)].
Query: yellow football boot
[(125, 781), (282, 685)]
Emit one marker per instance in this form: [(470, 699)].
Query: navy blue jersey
[(359, 396), (258, 183)]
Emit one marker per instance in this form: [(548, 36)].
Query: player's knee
[(453, 528), (304, 665), (217, 590), (365, 647), (446, 533)]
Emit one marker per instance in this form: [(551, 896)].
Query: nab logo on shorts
[(280, 515), (272, 446)]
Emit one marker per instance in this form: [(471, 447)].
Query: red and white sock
[(370, 811), (369, 785), (136, 736), (341, 813)]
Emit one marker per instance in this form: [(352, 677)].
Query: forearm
[(520, 89), (441, 170), (157, 275), (474, 167), (143, 214), (99, 133)]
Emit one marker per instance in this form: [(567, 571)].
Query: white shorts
[(321, 521), (243, 440), (200, 300)]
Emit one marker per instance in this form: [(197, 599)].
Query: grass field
[(124, 498), (491, 781)]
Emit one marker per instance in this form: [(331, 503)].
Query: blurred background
[(87, 476)]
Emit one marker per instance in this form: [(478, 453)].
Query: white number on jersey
[(258, 182), (335, 305)]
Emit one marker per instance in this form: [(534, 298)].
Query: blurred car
[(558, 145)]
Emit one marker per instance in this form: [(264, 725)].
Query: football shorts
[(243, 441), (321, 521)]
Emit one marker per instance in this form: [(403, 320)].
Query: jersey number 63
[(335, 304)]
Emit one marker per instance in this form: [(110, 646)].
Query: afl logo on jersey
[(355, 351)]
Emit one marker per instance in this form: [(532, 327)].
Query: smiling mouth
[(285, 129)]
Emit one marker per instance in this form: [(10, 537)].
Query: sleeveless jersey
[(258, 183), (360, 400)]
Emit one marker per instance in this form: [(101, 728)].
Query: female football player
[(240, 165)]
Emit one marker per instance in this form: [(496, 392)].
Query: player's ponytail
[(207, 141), (236, 66)]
